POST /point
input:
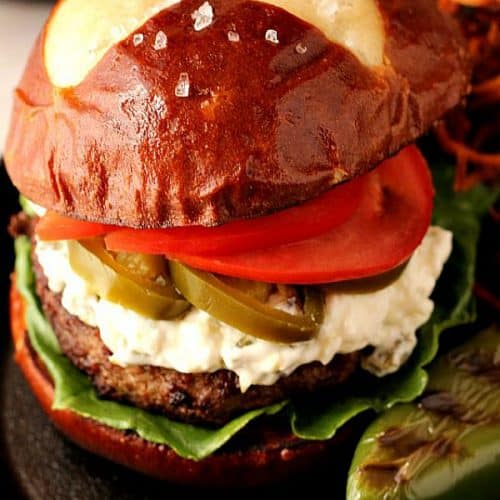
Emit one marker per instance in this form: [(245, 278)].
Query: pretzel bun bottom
[(266, 452)]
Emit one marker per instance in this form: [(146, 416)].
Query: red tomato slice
[(391, 221), (307, 220), (52, 227)]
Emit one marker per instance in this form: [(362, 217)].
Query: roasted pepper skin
[(243, 311), (447, 444)]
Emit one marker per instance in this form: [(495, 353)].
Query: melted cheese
[(386, 319), (80, 32), (355, 24)]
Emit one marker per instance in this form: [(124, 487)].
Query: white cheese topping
[(355, 24), (80, 32), (386, 319)]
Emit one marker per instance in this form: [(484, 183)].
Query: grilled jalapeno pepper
[(446, 445), (244, 311), (138, 282)]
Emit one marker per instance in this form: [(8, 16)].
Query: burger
[(226, 249)]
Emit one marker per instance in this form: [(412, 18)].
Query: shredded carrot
[(488, 164), (477, 3), (472, 134), (487, 296), (453, 5), (495, 214)]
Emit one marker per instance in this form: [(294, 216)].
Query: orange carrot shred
[(472, 135)]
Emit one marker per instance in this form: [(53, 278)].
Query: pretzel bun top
[(158, 113)]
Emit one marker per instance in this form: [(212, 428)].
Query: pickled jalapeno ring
[(243, 311), (131, 285)]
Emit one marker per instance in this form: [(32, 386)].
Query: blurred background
[(20, 22)]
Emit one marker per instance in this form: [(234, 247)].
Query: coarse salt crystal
[(203, 16), (161, 41), (233, 36), (272, 36), (182, 87), (300, 48), (138, 39)]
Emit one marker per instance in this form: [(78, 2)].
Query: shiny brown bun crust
[(263, 128), (264, 455)]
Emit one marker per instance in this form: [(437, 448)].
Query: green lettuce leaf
[(26, 205), (74, 391), (309, 420), (461, 213)]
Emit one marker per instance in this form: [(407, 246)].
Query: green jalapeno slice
[(138, 282), (228, 303)]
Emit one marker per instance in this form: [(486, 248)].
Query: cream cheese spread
[(386, 319)]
